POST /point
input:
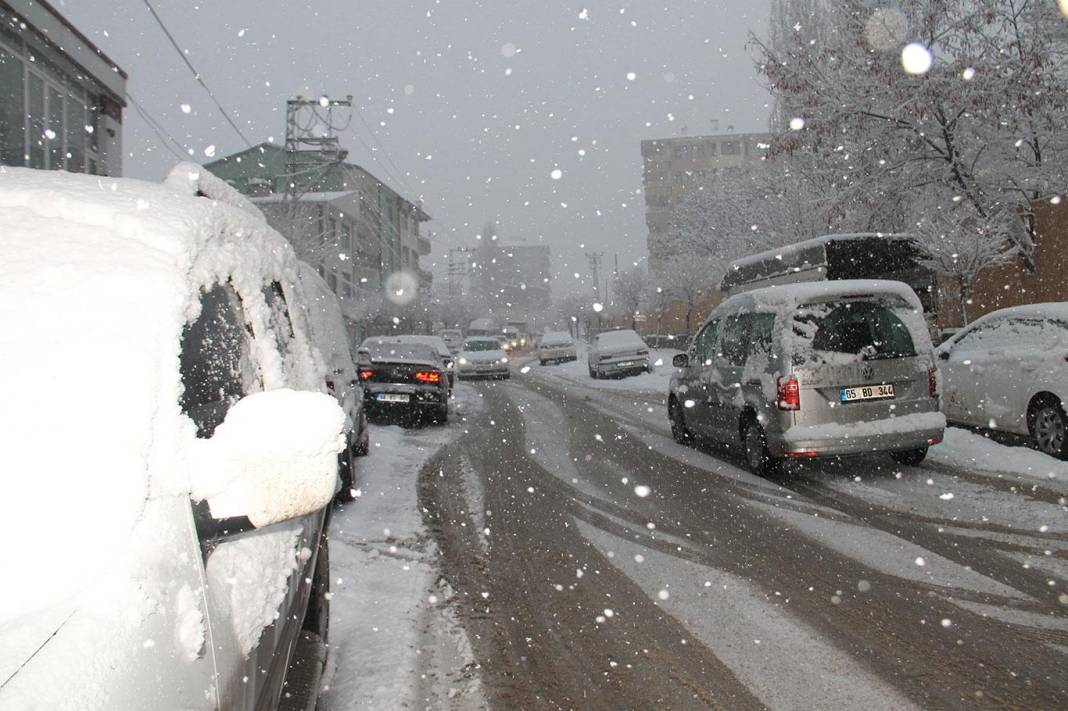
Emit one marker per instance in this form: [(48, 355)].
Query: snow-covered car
[(811, 370), (621, 352), (482, 357), (556, 347), (453, 337), (403, 378), (327, 330), (178, 555), (1008, 371), (439, 345)]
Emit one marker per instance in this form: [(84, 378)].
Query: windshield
[(866, 329), (602, 332), (482, 344)]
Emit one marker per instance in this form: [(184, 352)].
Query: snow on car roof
[(99, 277), (1051, 310), (801, 292), (434, 341), (807, 244), (618, 337)]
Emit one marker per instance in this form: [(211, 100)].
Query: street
[(595, 563)]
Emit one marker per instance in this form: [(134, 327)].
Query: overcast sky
[(469, 105)]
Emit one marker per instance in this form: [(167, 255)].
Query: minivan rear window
[(868, 330)]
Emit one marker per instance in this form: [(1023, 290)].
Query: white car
[(621, 352), (453, 337), (175, 483), (482, 357), (1008, 371), (327, 330), (556, 347)]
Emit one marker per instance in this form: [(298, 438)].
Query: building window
[(12, 110), (731, 148)]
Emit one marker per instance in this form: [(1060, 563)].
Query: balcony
[(422, 245)]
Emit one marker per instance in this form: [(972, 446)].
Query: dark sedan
[(405, 379)]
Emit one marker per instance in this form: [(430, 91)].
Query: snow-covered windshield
[(620, 339), (868, 329), (400, 350)]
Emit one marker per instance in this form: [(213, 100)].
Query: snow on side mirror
[(273, 458), (681, 360)]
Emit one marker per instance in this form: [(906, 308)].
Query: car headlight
[(504, 360), (463, 361)]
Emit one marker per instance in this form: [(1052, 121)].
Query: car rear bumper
[(832, 440), (482, 371), (628, 365), (418, 395)]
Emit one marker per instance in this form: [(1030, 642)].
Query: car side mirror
[(681, 360), (943, 355), (272, 459)]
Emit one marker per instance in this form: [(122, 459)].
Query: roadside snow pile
[(965, 449)]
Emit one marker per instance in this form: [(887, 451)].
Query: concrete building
[(671, 166), (63, 97), (351, 225)]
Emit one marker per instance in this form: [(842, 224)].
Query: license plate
[(625, 363), (868, 392), (391, 397)]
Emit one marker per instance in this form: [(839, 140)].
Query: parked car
[(453, 337), (620, 352), (482, 357), (1008, 371), (556, 347), (811, 370), (178, 555), (438, 344), (328, 333), (405, 378)]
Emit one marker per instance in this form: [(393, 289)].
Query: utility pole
[(312, 148), (594, 260)]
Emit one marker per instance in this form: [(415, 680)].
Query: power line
[(196, 74), (161, 133), (400, 178)]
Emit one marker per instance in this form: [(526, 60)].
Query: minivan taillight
[(789, 394), (932, 381)]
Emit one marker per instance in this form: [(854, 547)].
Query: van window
[(760, 334), (705, 344), (864, 329), (216, 367), (734, 347)]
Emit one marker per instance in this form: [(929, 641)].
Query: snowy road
[(595, 563)]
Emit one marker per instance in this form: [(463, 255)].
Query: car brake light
[(643, 353), (789, 394), (367, 374), (932, 381), (428, 376), (330, 384)]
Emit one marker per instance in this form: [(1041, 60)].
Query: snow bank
[(967, 450)]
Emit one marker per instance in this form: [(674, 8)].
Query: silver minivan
[(799, 371)]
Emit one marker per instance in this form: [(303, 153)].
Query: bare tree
[(689, 280), (628, 294)]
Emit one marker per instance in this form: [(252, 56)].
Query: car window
[(858, 329), (482, 345), (761, 331), (1015, 332), (705, 343), (216, 367), (734, 346)]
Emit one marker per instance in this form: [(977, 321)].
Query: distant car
[(327, 330), (556, 347), (482, 357), (440, 346), (811, 370), (184, 563), (621, 352), (1008, 371), (453, 337), (661, 340), (403, 378)]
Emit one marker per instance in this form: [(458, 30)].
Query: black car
[(403, 378)]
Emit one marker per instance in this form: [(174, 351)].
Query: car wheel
[(1047, 422), (542, 362), (441, 415), (910, 457), (679, 431), (593, 373), (757, 456)]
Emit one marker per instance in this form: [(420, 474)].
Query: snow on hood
[(99, 278)]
